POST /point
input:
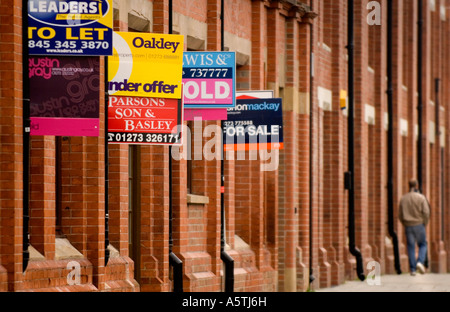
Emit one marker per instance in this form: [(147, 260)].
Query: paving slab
[(397, 283)]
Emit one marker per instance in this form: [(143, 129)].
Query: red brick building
[(285, 229)]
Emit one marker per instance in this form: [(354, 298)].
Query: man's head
[(413, 184)]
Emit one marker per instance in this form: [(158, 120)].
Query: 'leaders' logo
[(67, 13)]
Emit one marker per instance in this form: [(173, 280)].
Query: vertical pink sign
[(64, 95)]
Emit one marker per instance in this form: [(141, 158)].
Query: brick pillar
[(275, 48), (303, 162), (212, 191), (276, 73), (288, 198), (11, 168), (161, 16), (427, 110), (271, 193), (378, 132), (437, 249), (42, 198), (242, 203), (155, 193), (334, 211), (445, 117), (118, 197), (313, 231), (410, 162), (427, 116), (83, 191), (73, 213), (181, 216), (400, 160), (154, 225), (230, 191), (202, 252), (256, 211), (119, 173), (214, 24), (361, 137), (94, 191), (213, 167), (257, 81), (160, 215)]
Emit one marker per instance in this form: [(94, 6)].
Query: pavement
[(427, 282)]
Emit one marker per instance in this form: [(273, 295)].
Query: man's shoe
[(413, 273), (420, 268)]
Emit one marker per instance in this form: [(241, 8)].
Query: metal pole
[(437, 105), (107, 254), (174, 261), (442, 154), (26, 138), (225, 257), (311, 169)]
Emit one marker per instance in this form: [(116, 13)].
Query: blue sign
[(254, 124), (209, 79), (67, 27)]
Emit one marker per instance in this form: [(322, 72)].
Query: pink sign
[(209, 79), (205, 114), (208, 91), (64, 95), (64, 126)]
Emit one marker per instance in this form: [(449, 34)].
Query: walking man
[(414, 214)]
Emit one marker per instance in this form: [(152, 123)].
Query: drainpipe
[(438, 141), (419, 100), (311, 152), (391, 142), (174, 261), (437, 105), (224, 256), (26, 138), (349, 181), (419, 91)]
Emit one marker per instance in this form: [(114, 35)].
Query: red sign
[(138, 120)]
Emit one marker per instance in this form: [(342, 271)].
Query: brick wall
[(281, 226)]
